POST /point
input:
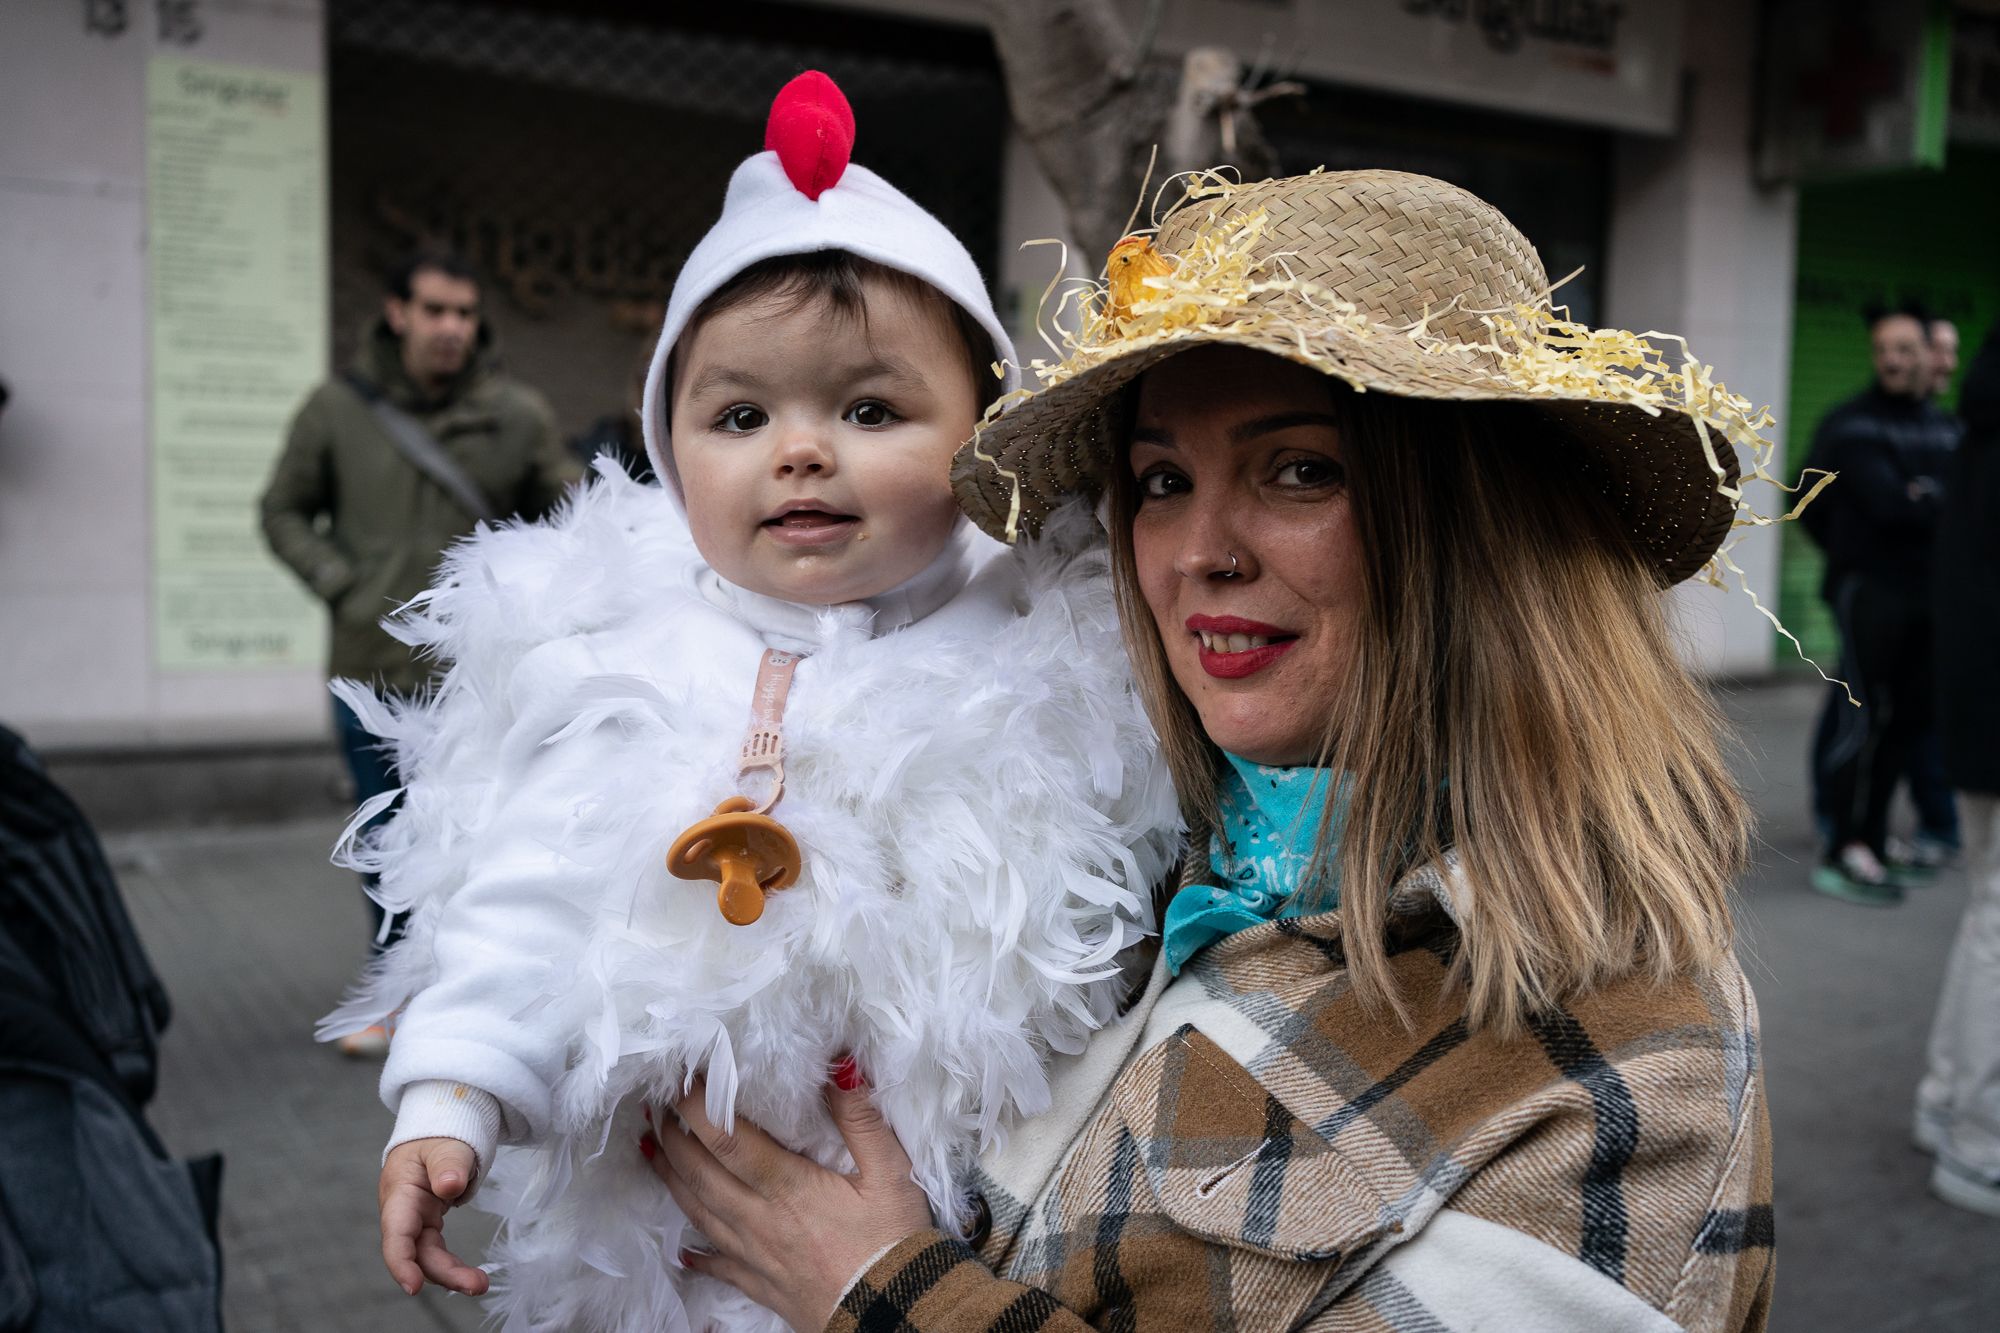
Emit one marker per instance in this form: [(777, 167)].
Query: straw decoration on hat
[(1392, 283)]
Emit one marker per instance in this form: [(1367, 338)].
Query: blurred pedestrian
[(1944, 358), (1958, 1102), (1891, 445), (389, 464), (618, 434)]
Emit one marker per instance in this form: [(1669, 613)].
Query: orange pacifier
[(748, 854), (740, 846)]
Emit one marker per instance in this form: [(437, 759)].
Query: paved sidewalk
[(255, 936), (1846, 994)]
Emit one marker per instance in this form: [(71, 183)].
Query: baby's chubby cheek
[(887, 551), (723, 532)]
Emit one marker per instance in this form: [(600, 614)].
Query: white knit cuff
[(441, 1109)]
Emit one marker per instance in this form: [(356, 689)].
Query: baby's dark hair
[(836, 277)]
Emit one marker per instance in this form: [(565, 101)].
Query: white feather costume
[(982, 813)]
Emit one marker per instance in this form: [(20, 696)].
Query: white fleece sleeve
[(438, 1109), (507, 944)]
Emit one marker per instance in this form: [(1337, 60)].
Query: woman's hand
[(788, 1233)]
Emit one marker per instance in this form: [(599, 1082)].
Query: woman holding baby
[(1444, 1027)]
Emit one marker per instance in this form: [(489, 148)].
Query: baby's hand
[(420, 1179)]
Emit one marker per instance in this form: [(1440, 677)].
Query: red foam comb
[(812, 131)]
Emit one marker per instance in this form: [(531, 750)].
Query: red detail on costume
[(811, 129)]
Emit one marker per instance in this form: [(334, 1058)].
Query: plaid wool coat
[(1249, 1148)]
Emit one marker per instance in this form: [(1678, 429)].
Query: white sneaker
[(1861, 865), (1928, 1128), (1931, 854), (371, 1043), (1966, 1187)]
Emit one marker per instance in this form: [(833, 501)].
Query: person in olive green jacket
[(355, 518), (364, 524)]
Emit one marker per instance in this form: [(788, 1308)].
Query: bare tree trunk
[(1093, 102)]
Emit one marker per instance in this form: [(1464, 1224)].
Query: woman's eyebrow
[(1153, 435), (1244, 431)]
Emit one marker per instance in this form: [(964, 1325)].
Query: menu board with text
[(237, 242)]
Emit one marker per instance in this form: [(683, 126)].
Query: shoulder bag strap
[(422, 450)]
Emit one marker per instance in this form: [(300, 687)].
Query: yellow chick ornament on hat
[(1132, 261)]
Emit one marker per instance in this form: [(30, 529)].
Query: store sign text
[(1592, 24)]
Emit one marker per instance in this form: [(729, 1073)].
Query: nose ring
[(1234, 572)]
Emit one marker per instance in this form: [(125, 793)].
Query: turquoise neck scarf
[(1257, 859)]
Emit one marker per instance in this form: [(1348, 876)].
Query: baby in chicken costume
[(950, 811)]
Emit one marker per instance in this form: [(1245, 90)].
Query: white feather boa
[(983, 813)]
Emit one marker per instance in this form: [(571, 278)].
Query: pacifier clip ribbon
[(740, 847)]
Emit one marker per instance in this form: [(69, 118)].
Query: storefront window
[(576, 152)]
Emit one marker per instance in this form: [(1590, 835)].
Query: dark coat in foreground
[(100, 1228), (1968, 587)]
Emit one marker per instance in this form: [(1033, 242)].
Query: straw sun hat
[(1395, 284)]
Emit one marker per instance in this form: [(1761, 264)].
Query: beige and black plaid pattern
[(1626, 1129)]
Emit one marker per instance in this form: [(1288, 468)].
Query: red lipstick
[(1218, 661), (1236, 625)]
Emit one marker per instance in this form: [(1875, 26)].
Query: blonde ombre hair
[(1512, 694)]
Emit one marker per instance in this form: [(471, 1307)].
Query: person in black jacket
[(1891, 446), (1958, 1102)]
